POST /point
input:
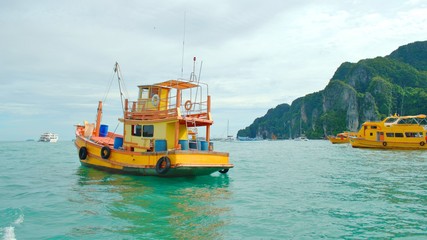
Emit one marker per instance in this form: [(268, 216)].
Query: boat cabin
[(395, 128), (167, 116)]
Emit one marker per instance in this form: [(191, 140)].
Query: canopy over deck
[(416, 116), (176, 84)]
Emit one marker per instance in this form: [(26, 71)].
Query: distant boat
[(230, 138), (343, 137), (394, 132), (249, 139), (48, 137), (301, 137)]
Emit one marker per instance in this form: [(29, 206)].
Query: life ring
[(155, 100), (188, 105), (422, 143), (225, 170), (385, 144), (163, 165), (105, 152), (82, 153)]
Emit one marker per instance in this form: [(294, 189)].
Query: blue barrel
[(160, 145), (204, 146), (103, 130), (184, 144), (118, 142), (193, 145)]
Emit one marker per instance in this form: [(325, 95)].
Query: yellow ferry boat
[(394, 132), (160, 133), (341, 138)]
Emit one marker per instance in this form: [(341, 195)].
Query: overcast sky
[(57, 57)]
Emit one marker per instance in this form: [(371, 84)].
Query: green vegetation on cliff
[(365, 91)]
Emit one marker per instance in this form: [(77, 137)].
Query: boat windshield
[(391, 120)]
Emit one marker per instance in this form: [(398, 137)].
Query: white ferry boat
[(48, 137)]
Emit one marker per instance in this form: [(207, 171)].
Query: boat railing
[(145, 109), (149, 109), (198, 110)]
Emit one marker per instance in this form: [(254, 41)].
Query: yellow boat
[(341, 138), (394, 132), (160, 134)]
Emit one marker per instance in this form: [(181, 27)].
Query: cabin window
[(389, 134), (144, 93), (373, 127), (136, 130), (398, 134), (148, 131), (409, 134), (154, 91), (413, 134)]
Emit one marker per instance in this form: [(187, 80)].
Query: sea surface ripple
[(277, 190)]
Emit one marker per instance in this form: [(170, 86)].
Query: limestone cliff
[(364, 91)]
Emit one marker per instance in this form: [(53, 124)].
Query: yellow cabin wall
[(162, 131), (183, 133), (163, 103), (135, 141), (147, 104)]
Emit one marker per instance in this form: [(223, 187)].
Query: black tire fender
[(422, 143), (82, 153), (105, 152), (163, 165), (385, 144), (225, 170)]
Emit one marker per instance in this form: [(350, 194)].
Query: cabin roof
[(177, 84), (417, 116)]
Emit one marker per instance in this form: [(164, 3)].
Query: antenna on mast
[(193, 74), (183, 47)]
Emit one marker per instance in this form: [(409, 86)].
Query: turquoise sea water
[(277, 190)]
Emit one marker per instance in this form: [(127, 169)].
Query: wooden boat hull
[(364, 143), (182, 162), (335, 140), (342, 138)]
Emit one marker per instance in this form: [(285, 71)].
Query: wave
[(19, 220), (9, 232)]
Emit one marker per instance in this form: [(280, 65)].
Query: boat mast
[(98, 119), (183, 48), (228, 130), (120, 82)]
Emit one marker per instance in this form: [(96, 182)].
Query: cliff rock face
[(339, 96), (369, 107), (359, 78), (365, 91)]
